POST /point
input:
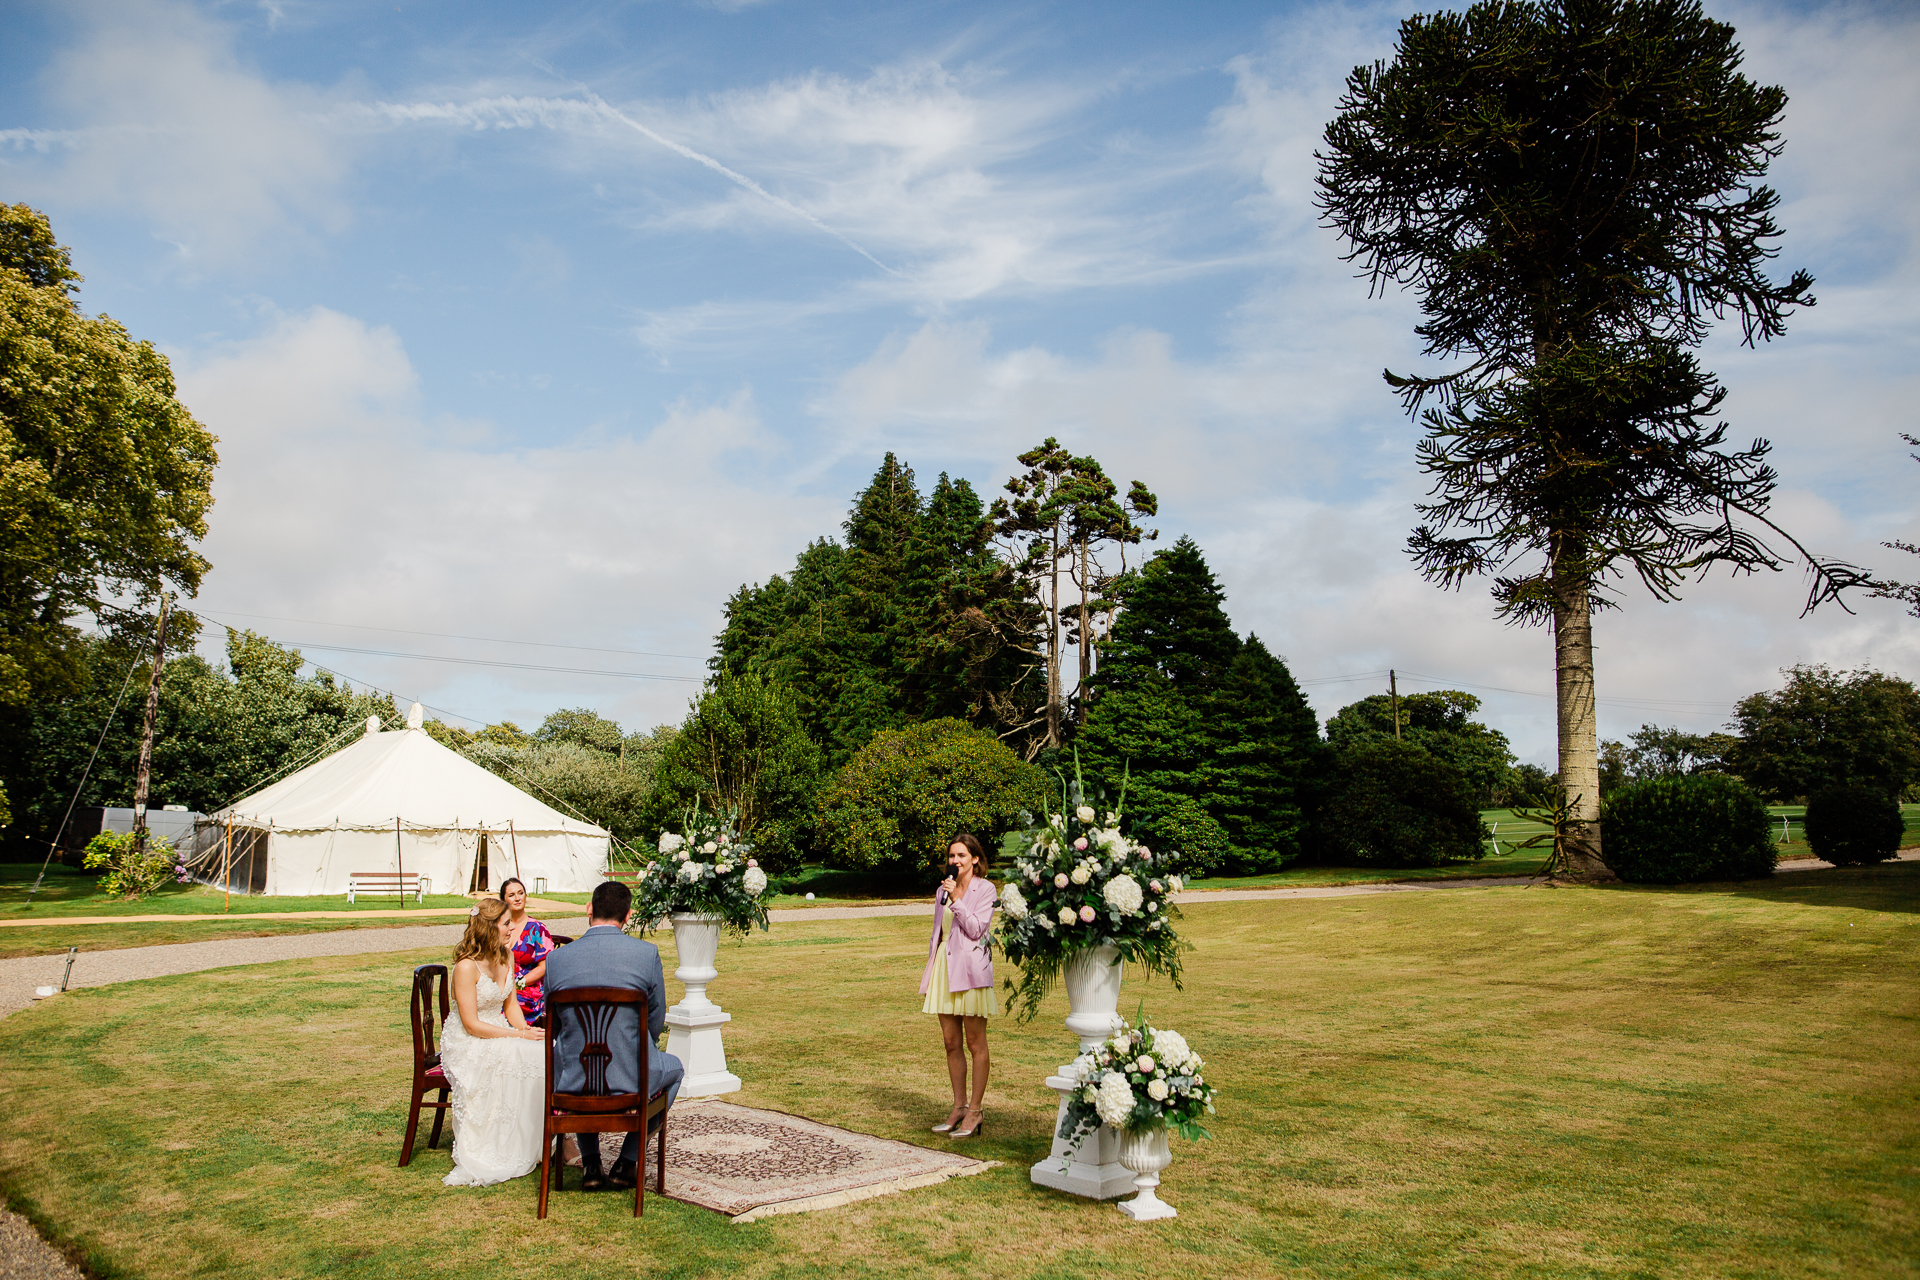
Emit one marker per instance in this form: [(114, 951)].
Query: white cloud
[(160, 118), (338, 498)]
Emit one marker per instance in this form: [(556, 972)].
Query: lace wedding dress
[(499, 1086)]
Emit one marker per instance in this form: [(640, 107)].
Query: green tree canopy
[(1829, 728), (1440, 722), (903, 797), (104, 476), (1190, 712), (914, 617), (1573, 189), (583, 728), (742, 751)]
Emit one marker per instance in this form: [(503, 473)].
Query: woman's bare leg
[(976, 1029), (956, 1056)]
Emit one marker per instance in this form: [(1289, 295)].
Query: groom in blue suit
[(605, 956)]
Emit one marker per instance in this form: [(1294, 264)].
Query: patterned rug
[(749, 1163)]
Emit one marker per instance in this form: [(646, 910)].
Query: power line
[(442, 635), (489, 662)]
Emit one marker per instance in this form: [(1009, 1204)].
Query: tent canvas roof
[(401, 774)]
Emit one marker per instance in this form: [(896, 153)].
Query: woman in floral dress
[(531, 942)]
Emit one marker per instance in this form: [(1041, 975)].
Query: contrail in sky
[(739, 179)]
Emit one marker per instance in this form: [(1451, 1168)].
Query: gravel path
[(25, 1256)]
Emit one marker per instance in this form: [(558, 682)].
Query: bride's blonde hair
[(482, 941)]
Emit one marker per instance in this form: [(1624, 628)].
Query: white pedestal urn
[(693, 1025), (1144, 1151), (1092, 980)]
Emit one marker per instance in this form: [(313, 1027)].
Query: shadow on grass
[(1889, 886)]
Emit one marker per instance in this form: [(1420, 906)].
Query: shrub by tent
[(394, 801)]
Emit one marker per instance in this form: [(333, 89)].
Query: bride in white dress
[(496, 1063)]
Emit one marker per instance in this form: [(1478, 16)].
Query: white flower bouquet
[(1138, 1078), (1081, 884), (705, 869)]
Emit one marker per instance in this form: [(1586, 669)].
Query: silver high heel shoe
[(978, 1125), (958, 1114)]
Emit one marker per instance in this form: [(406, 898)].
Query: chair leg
[(660, 1161), (439, 1118), (640, 1171), (413, 1127), (546, 1154)]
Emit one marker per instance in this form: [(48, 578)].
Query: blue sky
[(554, 325)]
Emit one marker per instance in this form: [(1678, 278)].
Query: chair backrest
[(428, 980), (593, 1010)]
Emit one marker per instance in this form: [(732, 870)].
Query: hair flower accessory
[(473, 911)]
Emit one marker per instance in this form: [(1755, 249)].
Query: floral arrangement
[(704, 869), (1081, 884), (1138, 1078)]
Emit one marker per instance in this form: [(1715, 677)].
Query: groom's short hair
[(611, 901)]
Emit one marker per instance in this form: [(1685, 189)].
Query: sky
[(531, 333)]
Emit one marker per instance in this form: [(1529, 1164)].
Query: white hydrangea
[(1013, 902), (1157, 1090), (1067, 916), (670, 843), (1084, 813), (1124, 895), (755, 881), (691, 871), (1110, 838), (1080, 875), (1115, 1101), (1172, 1047)]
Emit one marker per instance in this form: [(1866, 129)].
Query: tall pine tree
[(1193, 713)]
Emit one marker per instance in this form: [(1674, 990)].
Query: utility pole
[(146, 734), (1393, 691)]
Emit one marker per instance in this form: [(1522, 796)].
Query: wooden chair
[(429, 980), (596, 1111)]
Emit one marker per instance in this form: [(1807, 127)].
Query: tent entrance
[(479, 883)]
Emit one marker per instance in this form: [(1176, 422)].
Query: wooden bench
[(397, 883), (624, 877)]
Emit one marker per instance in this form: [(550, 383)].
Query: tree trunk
[(1086, 643), (1579, 732), (1053, 644)]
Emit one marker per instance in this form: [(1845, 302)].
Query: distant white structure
[(395, 801)]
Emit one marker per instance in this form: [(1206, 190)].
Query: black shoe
[(595, 1180), (622, 1175)]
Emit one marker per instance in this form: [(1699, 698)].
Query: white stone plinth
[(1092, 980), (693, 1036), (1145, 1152), (1094, 1170), (693, 1025)]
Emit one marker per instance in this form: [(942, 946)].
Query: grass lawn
[(1702, 1082), (69, 892)]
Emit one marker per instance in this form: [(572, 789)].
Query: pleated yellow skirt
[(977, 1003)]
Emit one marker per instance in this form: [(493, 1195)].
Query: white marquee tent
[(395, 801)]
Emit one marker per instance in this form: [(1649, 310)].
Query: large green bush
[(1702, 826), (1170, 823), (1853, 825), (901, 799), (742, 753), (1392, 804)]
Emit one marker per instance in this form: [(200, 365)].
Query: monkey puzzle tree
[(1572, 189)]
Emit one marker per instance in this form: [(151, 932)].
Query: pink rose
[(1145, 852), (752, 863), (1060, 881), (1081, 843), (1086, 915), (1154, 885)]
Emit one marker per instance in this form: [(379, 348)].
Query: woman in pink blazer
[(958, 980)]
